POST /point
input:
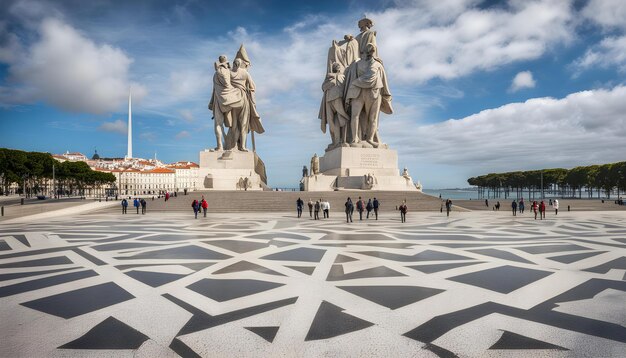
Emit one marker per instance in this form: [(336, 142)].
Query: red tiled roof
[(160, 170)]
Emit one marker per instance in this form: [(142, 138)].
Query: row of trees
[(31, 173), (603, 179)]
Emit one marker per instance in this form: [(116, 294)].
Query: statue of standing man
[(233, 103)]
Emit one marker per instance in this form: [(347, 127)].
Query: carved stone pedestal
[(231, 170), (347, 168)]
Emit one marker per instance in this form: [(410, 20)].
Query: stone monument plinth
[(347, 168), (231, 170)]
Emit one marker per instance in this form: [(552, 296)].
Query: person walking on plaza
[(534, 208), (486, 203), (167, 196), (327, 211), (349, 210), (136, 205), (369, 208), (196, 207), (403, 210), (324, 206), (360, 206), (299, 205), (514, 207), (376, 204), (310, 208), (124, 206), (521, 205), (498, 206), (317, 210), (205, 205), (555, 205), (542, 210), (448, 206), (144, 205)]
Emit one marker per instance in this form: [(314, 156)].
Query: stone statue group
[(355, 91), (233, 103)]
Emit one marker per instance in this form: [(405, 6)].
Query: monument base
[(347, 168), (231, 170)]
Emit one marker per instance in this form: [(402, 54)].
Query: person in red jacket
[(535, 207), (205, 206), (542, 210)]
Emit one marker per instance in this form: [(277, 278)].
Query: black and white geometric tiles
[(267, 285)]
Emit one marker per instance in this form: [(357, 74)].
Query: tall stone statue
[(367, 36), (224, 99), (366, 94), (315, 165), (332, 111), (233, 103)]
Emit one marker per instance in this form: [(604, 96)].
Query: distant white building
[(186, 174), (73, 157), (145, 182)]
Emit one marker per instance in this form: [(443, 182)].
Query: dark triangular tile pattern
[(330, 321), (109, 334), (392, 297), (267, 333), (225, 290), (154, 279), (441, 267), (510, 340), (304, 269)]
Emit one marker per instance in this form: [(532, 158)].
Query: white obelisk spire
[(130, 126)]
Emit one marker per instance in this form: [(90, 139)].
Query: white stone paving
[(476, 284)]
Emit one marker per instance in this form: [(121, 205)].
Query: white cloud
[(606, 13), (117, 126), (417, 46), (582, 128), (70, 71), (187, 115), (611, 51), (521, 80), (182, 135), (148, 136)]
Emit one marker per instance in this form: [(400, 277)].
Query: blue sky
[(477, 86)]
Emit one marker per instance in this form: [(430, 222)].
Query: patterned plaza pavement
[(477, 284)]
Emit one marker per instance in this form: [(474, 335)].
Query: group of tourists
[(536, 207), (137, 203), (199, 206), (324, 206), (361, 206)]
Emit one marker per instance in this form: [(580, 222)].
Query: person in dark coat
[(317, 210), (448, 207), (144, 206), (124, 206), (403, 211), (299, 206), (349, 210), (376, 204), (360, 207), (514, 207), (369, 208)]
